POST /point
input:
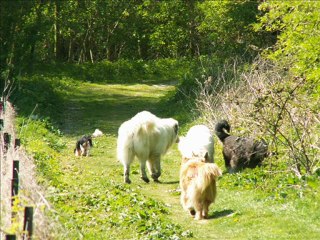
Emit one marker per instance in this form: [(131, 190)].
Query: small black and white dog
[(83, 146)]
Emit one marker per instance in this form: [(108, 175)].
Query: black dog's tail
[(78, 145), (90, 141)]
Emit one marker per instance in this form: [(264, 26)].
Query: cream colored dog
[(147, 137), (197, 142), (198, 185)]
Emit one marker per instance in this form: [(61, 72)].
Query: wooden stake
[(11, 237), (16, 143), (28, 223)]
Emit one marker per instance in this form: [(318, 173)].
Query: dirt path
[(107, 106)]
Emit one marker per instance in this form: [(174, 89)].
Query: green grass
[(92, 202)]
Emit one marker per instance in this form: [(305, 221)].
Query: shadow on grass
[(84, 115), (223, 213), (170, 182)]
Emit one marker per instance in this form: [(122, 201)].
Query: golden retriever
[(198, 185)]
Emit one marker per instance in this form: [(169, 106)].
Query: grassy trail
[(244, 214)]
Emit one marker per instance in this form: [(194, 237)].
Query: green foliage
[(173, 27), (228, 26), (273, 182), (116, 207), (94, 31), (128, 71), (290, 119), (60, 77), (43, 142), (265, 101), (298, 31), (293, 99), (40, 95)]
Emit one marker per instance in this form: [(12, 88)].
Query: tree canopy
[(142, 29), (94, 30)]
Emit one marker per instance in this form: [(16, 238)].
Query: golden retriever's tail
[(207, 173)]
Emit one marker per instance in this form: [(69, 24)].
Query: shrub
[(266, 101), (43, 142)]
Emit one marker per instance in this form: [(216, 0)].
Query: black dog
[(240, 152), (83, 146)]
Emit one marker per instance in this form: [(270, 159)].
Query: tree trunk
[(56, 27)]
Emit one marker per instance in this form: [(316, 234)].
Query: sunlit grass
[(92, 202), (237, 213)]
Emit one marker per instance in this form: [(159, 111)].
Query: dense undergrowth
[(123, 71)]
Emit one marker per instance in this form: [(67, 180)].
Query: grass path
[(237, 214)]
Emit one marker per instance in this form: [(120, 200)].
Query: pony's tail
[(207, 173), (126, 137), (124, 146), (145, 128)]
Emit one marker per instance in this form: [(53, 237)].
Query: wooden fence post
[(14, 187), (15, 180), (28, 222), (11, 237), (16, 143), (15, 169), (7, 140)]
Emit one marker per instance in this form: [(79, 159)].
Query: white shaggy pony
[(147, 137), (197, 143)]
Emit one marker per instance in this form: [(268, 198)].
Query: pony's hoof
[(192, 212), (127, 180), (145, 179), (156, 180)]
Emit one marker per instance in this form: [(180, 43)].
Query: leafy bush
[(43, 142), (122, 71), (297, 26), (40, 95)]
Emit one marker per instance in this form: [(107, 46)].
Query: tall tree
[(18, 24), (227, 27)]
